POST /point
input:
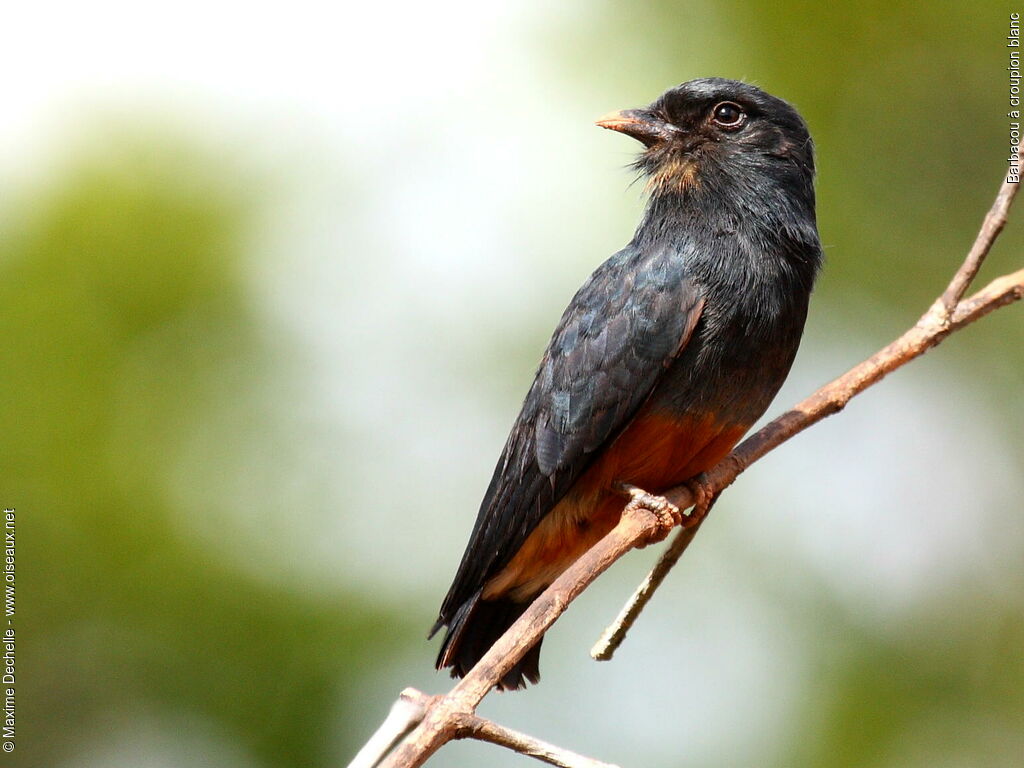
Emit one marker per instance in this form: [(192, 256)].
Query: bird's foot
[(667, 514), (704, 497)]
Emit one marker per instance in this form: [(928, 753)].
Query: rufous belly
[(655, 452)]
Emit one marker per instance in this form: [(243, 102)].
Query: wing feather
[(622, 329)]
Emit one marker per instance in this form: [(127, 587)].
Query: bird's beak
[(643, 125)]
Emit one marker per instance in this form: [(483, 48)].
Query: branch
[(485, 730), (993, 224), (450, 713), (440, 719), (615, 633), (412, 705)]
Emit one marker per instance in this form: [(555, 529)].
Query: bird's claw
[(667, 514), (704, 496)]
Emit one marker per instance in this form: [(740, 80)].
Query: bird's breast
[(661, 448)]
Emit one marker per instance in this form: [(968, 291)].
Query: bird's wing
[(620, 332)]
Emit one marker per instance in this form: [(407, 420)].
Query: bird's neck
[(764, 212), (767, 234)]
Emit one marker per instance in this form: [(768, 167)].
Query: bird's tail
[(474, 628)]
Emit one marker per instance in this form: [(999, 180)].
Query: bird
[(663, 359)]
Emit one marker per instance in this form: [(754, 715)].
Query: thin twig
[(486, 730), (993, 224), (1000, 292), (453, 715), (615, 633)]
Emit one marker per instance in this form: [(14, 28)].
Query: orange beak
[(642, 125)]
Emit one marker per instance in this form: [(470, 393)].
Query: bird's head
[(716, 133)]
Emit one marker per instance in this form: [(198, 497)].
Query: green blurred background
[(274, 283)]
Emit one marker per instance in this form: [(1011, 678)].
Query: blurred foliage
[(942, 687), (126, 269)]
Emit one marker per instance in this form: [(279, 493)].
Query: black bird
[(664, 358)]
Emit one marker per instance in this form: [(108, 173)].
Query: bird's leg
[(667, 513), (704, 497)]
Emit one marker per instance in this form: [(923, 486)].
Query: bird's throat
[(677, 175)]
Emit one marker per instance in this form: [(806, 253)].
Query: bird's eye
[(728, 115)]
